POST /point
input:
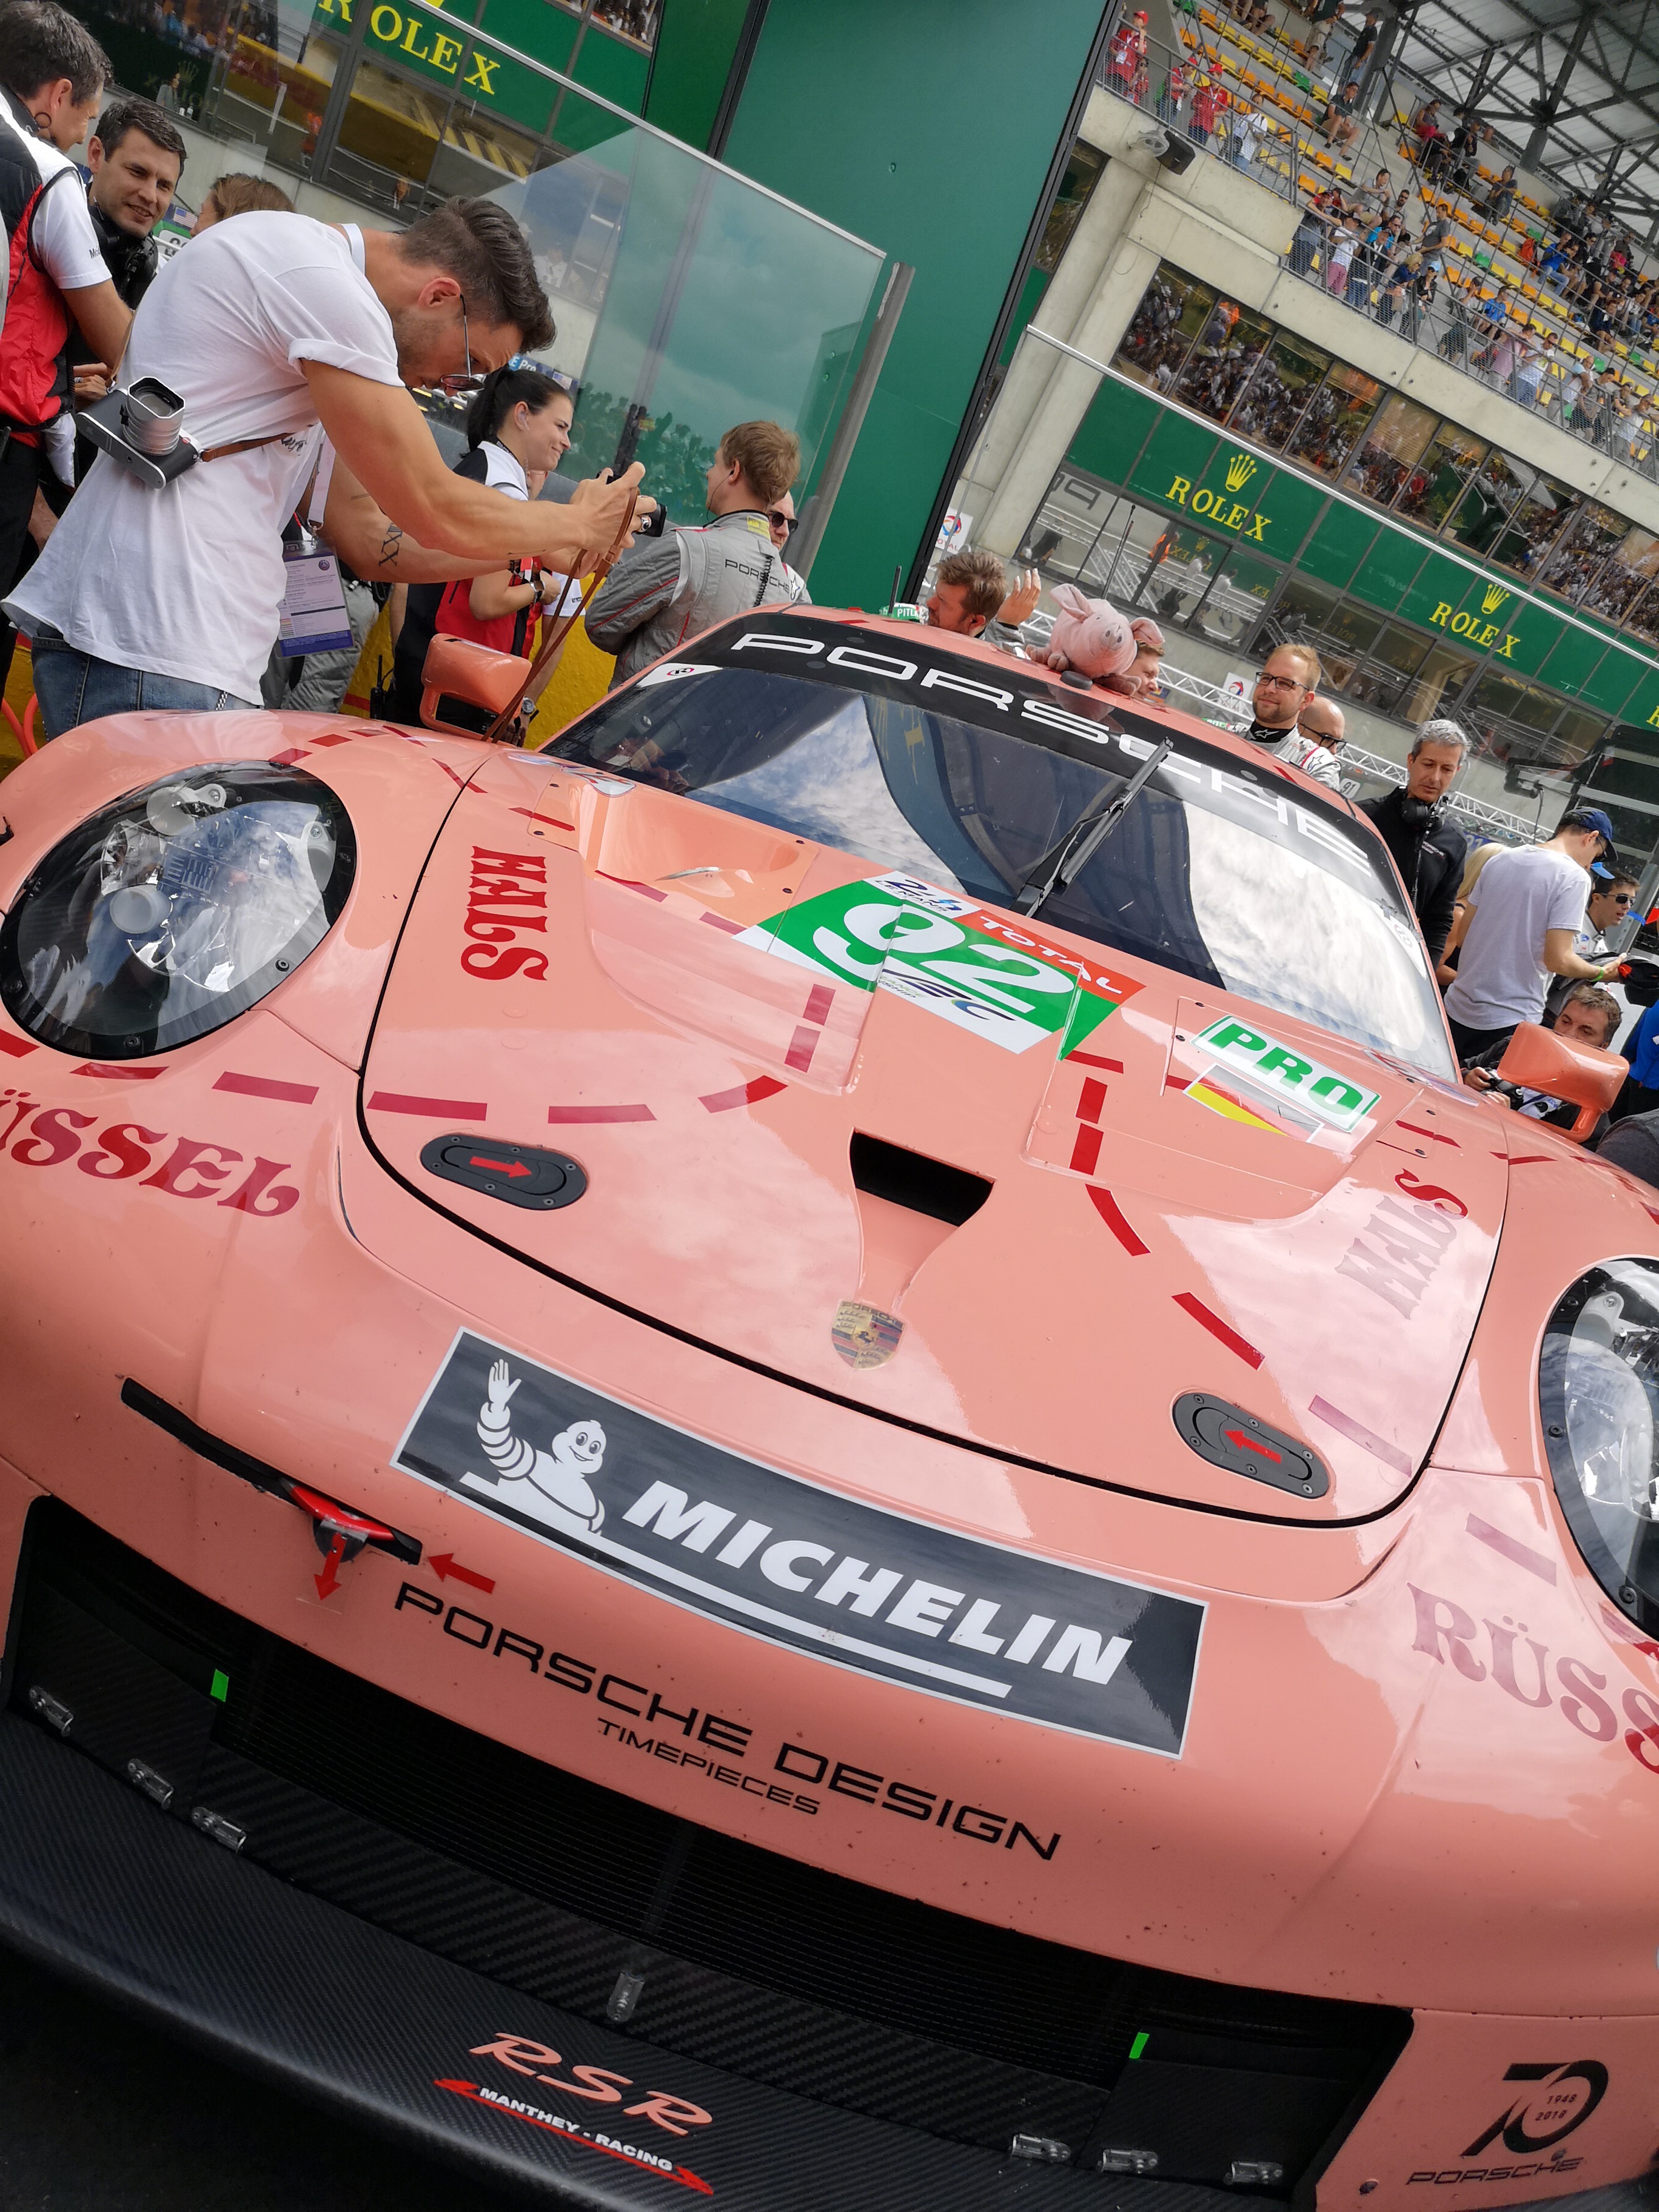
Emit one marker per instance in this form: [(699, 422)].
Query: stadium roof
[(1573, 85)]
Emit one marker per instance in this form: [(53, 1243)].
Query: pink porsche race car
[(806, 1453)]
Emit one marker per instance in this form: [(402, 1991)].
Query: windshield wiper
[(1066, 861)]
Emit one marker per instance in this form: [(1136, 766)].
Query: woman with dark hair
[(517, 428)]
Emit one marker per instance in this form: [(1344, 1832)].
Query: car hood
[(1071, 1209)]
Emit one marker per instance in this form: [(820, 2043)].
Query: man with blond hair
[(1290, 677), (669, 588)]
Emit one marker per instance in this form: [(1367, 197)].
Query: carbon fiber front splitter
[(97, 1883)]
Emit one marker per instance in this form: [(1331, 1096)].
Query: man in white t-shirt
[(52, 74), (1517, 931), (274, 329)]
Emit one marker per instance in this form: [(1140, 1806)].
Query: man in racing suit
[(667, 589)]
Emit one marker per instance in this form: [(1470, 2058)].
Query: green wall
[(927, 127), (695, 43)]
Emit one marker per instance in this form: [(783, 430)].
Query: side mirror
[(1582, 1074), (455, 668)]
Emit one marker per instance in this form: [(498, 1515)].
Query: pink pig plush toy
[(1089, 635)]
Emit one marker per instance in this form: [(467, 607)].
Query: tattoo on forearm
[(391, 544)]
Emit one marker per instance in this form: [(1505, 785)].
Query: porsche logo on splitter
[(825, 1575)]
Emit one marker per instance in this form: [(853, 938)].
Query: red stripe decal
[(530, 815), (1217, 1327), (1529, 1159), (436, 1110), (339, 738), (1536, 1562), (266, 1086), (1094, 1060), (600, 1114), (287, 760), (113, 1071), (1090, 1099), (799, 1054), (645, 891), (16, 1046), (682, 2174), (819, 1000), (1112, 1214), (746, 1094), (1085, 1153), (459, 781), (1358, 1433), (1176, 1082), (719, 921), (1435, 1133)]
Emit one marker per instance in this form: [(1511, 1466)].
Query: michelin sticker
[(950, 957), (776, 1557), (1286, 1076)]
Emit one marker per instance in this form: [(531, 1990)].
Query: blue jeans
[(74, 687)]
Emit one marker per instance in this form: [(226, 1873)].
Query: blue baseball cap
[(1588, 818)]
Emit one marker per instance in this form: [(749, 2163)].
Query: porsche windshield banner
[(894, 933), (780, 1558)]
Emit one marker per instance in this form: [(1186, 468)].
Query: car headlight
[(175, 909), (1599, 1392)]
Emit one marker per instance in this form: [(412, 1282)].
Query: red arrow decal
[(329, 1581), (501, 1167), (443, 1564), (1237, 1438)]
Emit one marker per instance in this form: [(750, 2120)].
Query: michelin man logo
[(551, 1487)]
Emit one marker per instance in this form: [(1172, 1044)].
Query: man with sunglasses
[(276, 331), (1612, 900), (780, 521)]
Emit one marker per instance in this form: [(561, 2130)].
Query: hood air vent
[(912, 1179)]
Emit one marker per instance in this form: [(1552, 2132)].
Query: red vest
[(33, 369)]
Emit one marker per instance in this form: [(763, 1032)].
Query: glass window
[(1347, 637), (1291, 371), (1393, 448), (1179, 567), (1334, 420), (1301, 612), (1280, 899), (1441, 682), (1173, 310), (1540, 516), (1431, 490), (1064, 527), (1643, 620), (1579, 729), (1082, 169), (1495, 486), (1223, 359), (1631, 566), (1581, 553), (1119, 559), (1233, 613), (1381, 678)]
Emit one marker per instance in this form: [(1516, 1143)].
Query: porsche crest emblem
[(864, 1336)]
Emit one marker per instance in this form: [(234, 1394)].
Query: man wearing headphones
[(1427, 851)]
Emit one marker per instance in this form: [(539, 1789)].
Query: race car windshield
[(1215, 871), (175, 909)]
